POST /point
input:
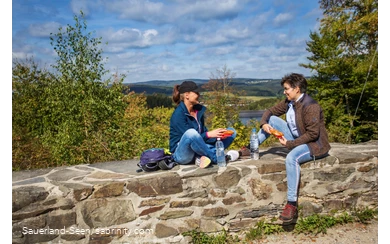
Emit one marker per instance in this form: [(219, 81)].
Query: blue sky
[(176, 39)]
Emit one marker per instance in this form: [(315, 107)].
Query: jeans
[(294, 158), (192, 145)]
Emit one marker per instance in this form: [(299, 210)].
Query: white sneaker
[(233, 155), (202, 162)]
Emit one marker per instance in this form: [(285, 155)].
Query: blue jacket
[(181, 121)]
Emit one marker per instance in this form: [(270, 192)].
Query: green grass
[(256, 98), (311, 225)]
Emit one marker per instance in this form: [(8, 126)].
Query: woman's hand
[(267, 128), (220, 132), (283, 140)]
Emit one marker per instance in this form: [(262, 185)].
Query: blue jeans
[(294, 158), (192, 145)]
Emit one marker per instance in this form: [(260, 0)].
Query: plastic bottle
[(220, 150), (254, 144)]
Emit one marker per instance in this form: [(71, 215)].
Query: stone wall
[(111, 203)]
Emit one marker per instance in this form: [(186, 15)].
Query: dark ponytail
[(176, 95)]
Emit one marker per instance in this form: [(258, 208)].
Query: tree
[(159, 100), (223, 78), (71, 111), (344, 58), (223, 102), (28, 84)]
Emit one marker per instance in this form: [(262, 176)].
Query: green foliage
[(248, 87), (159, 100), (263, 104), (79, 107), (316, 224), (79, 56), (344, 56), (139, 128), (65, 114), (258, 87), (75, 116), (151, 89), (220, 238), (253, 123), (223, 106), (261, 229), (363, 216), (312, 225), (28, 84)]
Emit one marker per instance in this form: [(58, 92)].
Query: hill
[(251, 86)]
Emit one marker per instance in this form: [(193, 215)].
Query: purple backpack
[(154, 159)]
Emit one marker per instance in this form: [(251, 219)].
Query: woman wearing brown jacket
[(304, 134)]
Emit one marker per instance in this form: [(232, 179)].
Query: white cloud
[(43, 30), (282, 19), (174, 39)]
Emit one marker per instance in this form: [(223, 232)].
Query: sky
[(176, 39)]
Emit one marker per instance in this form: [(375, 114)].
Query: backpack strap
[(167, 163)]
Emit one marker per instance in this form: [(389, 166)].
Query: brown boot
[(289, 213), (244, 152)]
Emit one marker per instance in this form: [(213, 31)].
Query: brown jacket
[(310, 124)]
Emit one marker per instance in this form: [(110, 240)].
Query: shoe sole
[(289, 221), (204, 162), (286, 220)]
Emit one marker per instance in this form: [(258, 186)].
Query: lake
[(246, 115)]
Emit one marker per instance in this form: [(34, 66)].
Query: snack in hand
[(228, 133), (276, 133)]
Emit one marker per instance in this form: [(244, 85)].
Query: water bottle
[(254, 141), (220, 149)]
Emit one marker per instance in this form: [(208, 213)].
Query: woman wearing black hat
[(189, 139)]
